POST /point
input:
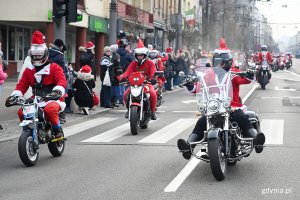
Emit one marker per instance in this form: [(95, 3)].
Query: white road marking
[(183, 174), (185, 111), (285, 89), (273, 130), (293, 73), (249, 93), (279, 97), (189, 101), (168, 132), (112, 134), (72, 130)]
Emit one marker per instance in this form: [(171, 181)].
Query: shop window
[(27, 41), (3, 40), (11, 43)]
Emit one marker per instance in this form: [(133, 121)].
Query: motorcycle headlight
[(213, 105), (226, 102)]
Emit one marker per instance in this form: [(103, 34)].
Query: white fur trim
[(60, 88), (219, 51), (17, 93)]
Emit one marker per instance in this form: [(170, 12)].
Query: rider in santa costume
[(222, 58), (46, 79), (147, 67)]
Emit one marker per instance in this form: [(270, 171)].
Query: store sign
[(97, 24)]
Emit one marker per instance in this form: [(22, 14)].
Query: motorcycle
[(138, 102), (262, 78), (223, 139), (288, 63), (36, 130), (159, 89)]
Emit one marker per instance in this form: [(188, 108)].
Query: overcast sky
[(283, 16)]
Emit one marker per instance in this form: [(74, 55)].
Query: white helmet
[(140, 51), (39, 54)]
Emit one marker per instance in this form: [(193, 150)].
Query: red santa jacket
[(53, 75), (147, 68), (265, 56)]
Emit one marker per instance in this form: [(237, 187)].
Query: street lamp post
[(113, 22)]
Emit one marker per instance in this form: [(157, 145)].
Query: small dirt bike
[(36, 130), (223, 140)]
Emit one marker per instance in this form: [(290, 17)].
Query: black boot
[(153, 116), (127, 114), (258, 139), (113, 102), (184, 146), (58, 132), (62, 117)]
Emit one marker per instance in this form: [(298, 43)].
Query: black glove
[(119, 72), (53, 95), (250, 75), (188, 81), (153, 81), (10, 101)]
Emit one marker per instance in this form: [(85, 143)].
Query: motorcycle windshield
[(215, 88)]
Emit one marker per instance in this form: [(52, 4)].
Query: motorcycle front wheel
[(135, 120), (217, 159), (28, 153)]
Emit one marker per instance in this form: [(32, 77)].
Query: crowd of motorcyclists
[(48, 74)]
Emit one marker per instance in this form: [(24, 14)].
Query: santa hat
[(89, 45), (223, 47), (38, 38), (169, 50), (86, 69), (140, 44)]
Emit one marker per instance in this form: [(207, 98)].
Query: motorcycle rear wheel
[(56, 148), (28, 155), (217, 160), (134, 120)]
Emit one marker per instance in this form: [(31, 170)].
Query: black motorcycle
[(223, 140)]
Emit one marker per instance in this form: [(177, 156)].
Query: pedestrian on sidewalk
[(87, 57), (116, 91), (57, 56), (106, 76), (83, 89), (3, 75)]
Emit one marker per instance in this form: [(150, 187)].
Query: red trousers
[(51, 111), (153, 97)]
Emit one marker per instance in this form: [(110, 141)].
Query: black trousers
[(238, 116)]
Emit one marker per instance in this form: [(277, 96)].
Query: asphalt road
[(118, 165)]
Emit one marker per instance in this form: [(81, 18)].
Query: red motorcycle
[(139, 102)]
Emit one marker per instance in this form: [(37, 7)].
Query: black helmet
[(123, 42), (222, 59)]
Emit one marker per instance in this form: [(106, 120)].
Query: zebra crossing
[(161, 134)]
